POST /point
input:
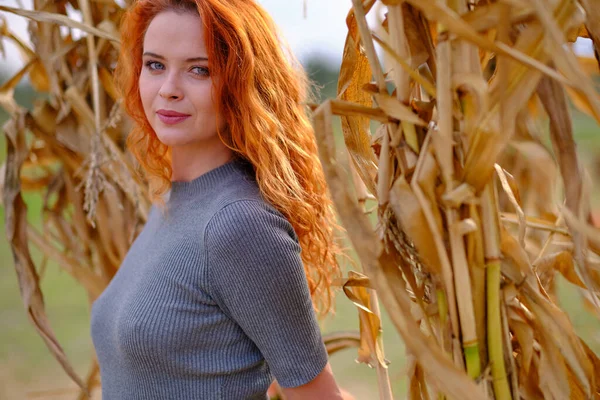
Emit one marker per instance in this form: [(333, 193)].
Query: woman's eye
[(154, 65), (201, 71)]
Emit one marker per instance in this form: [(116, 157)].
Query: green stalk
[(462, 281), (491, 237), (494, 325), (472, 360), (475, 255)]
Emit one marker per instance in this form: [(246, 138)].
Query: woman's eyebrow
[(193, 59)]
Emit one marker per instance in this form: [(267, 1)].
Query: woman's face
[(175, 83)]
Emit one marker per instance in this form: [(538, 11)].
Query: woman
[(215, 297)]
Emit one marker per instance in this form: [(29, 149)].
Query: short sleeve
[(257, 277)]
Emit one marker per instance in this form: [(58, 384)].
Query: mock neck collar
[(184, 190)]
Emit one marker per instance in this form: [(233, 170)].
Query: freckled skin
[(173, 82)]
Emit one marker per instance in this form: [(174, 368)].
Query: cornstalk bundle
[(70, 148), (468, 238), (464, 254)]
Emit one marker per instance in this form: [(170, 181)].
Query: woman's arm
[(322, 387), (257, 277)]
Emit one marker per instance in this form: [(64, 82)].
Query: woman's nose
[(171, 88)]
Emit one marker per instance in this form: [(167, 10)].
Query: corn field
[(444, 106)]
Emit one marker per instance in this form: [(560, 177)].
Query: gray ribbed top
[(211, 301)]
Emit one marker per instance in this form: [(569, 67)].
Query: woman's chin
[(172, 139)]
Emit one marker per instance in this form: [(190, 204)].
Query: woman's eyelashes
[(201, 71), (154, 65), (158, 66)]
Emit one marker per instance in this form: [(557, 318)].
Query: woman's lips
[(172, 120), (171, 117)]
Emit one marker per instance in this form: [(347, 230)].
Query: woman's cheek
[(146, 97)]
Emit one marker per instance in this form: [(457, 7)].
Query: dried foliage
[(70, 149), (469, 231)]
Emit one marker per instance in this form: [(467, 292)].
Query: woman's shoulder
[(240, 197), (247, 220), (252, 211), (241, 200)]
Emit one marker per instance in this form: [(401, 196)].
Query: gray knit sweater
[(211, 301)]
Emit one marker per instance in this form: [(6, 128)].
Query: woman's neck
[(190, 162)]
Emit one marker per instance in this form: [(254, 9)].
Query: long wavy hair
[(262, 98)]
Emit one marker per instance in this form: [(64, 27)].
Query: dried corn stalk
[(468, 230), (70, 149)]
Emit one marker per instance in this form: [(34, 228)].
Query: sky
[(322, 31)]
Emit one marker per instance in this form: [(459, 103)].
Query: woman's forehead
[(176, 35)]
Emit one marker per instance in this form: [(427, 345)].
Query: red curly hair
[(263, 101)]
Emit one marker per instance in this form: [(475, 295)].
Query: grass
[(22, 352), (26, 365)]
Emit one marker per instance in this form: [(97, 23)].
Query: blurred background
[(316, 32)]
